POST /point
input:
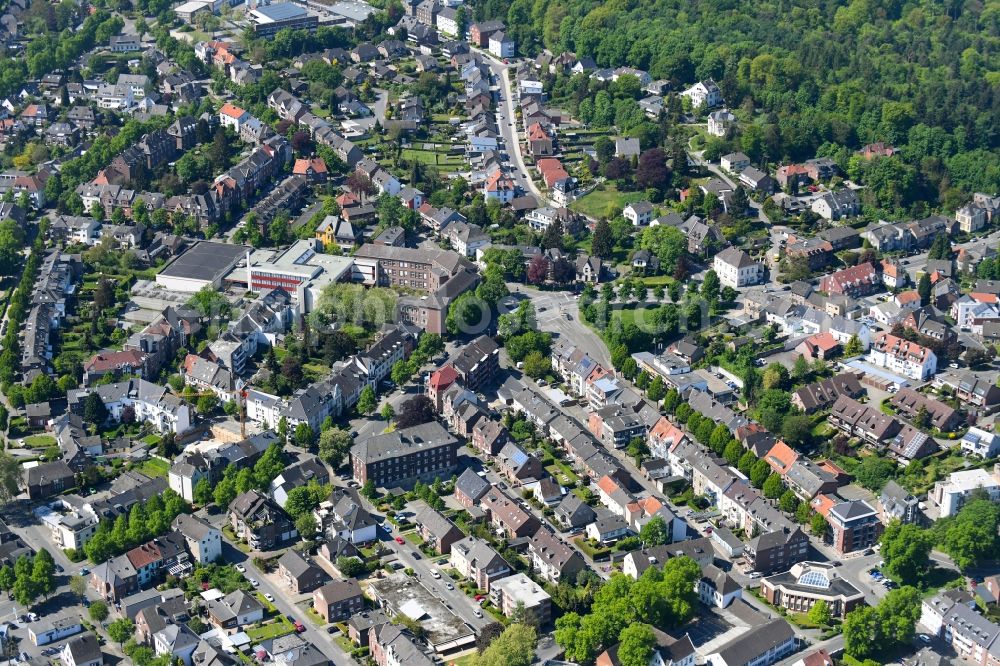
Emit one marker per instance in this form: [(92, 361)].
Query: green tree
[(98, 611), (121, 630), (536, 365), (654, 532), (789, 502), (367, 402), (800, 370), (734, 452), (43, 573), (306, 525), (636, 645), (924, 288), (368, 490), (7, 578), (602, 243), (387, 412), (514, 647), (818, 525), (94, 410), (853, 347), (710, 286), (820, 613), (906, 550), (874, 471), (203, 491), (78, 586), (759, 473), (773, 486), (350, 567), (334, 444)]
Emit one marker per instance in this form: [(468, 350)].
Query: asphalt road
[(551, 308), (282, 602), (507, 122), (454, 599)]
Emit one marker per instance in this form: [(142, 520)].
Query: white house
[(233, 116), (264, 408), (734, 162), (501, 45), (902, 357), (736, 269), (716, 588), (447, 21), (720, 122), (837, 205), (639, 213), (979, 442), (704, 94), (82, 651), (950, 494), (203, 541), (51, 630), (970, 218)]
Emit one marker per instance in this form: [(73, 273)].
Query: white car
[(253, 582), (477, 613), (435, 574), (241, 568), (269, 597), (450, 586)]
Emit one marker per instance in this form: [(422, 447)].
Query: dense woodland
[(815, 77)]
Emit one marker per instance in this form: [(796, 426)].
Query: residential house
[(258, 520), (438, 532), (339, 600), (855, 526), (903, 357), (476, 560), (298, 573), (736, 269)]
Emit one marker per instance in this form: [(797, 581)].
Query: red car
[(400, 540), (299, 627), (479, 597)]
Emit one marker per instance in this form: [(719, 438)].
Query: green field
[(279, 627), (40, 441), (439, 158), (154, 467), (605, 201)]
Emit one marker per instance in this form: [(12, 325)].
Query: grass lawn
[(439, 158), (656, 280), (280, 627), (152, 440), (228, 532), (414, 538), (269, 608), (464, 660), (592, 552), (562, 473), (344, 642), (605, 199), (155, 467), (40, 441)]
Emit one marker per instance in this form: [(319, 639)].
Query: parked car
[(400, 540), (435, 574), (269, 597), (477, 613), (241, 568), (253, 582)]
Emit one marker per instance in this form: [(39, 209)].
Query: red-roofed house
[(873, 150), (821, 345), (902, 357), (663, 437), (893, 274), (822, 504), (500, 187), (313, 168), (233, 116), (781, 457), (438, 382), (539, 141), (131, 362), (859, 280), (552, 170), (908, 299)]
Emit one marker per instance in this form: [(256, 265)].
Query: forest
[(813, 76)]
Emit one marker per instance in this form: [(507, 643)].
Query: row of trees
[(29, 578), (663, 597), (237, 481), (144, 521)]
